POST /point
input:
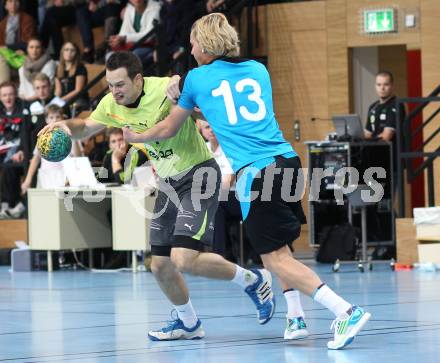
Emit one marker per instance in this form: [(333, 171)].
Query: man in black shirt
[(382, 114)]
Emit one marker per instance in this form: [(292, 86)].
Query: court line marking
[(200, 346)]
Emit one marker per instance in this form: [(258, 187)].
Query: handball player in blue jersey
[(235, 97)]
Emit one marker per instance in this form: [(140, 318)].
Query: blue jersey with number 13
[(236, 99)]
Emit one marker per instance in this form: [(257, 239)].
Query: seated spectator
[(203, 7), (71, 76), (96, 13), (139, 18), (44, 95), (176, 19), (12, 159), (10, 105), (86, 15), (16, 29), (115, 168), (37, 61)]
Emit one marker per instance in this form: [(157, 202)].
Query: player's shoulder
[(151, 83), (240, 61), (107, 100), (205, 71)]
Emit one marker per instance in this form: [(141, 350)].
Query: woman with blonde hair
[(235, 96), (71, 75)]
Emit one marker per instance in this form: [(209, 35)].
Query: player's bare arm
[(77, 128), (162, 130)]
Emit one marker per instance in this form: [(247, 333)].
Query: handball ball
[(54, 145)]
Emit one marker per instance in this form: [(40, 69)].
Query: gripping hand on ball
[(59, 124)]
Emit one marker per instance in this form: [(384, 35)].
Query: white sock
[(187, 314), (327, 297), (244, 277), (294, 308)]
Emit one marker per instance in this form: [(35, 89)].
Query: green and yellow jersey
[(171, 156)]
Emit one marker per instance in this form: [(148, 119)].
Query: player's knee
[(183, 263), (159, 265), (271, 263)]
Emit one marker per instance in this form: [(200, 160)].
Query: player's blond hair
[(216, 36)]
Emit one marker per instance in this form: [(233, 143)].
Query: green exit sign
[(379, 21)]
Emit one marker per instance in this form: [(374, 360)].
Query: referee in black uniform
[(381, 125), (382, 115), (381, 119)]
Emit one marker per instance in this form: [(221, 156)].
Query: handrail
[(404, 153)]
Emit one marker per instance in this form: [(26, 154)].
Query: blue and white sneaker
[(262, 295), (177, 330), (347, 326), (296, 329)]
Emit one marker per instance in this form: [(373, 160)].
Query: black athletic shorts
[(185, 210), (273, 213)]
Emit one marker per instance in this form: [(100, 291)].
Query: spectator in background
[(12, 159), (203, 7), (59, 13), (96, 13), (176, 19), (87, 14), (139, 18), (115, 168), (16, 29), (71, 76), (9, 126), (37, 61), (2, 10), (44, 95)]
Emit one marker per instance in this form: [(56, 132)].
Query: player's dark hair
[(386, 74), (127, 60)]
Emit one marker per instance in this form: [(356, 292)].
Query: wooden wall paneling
[(297, 16), (310, 83), (309, 89), (337, 58), (430, 50), (403, 35), (292, 46)]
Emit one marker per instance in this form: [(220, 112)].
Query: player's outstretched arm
[(162, 130), (77, 128)]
